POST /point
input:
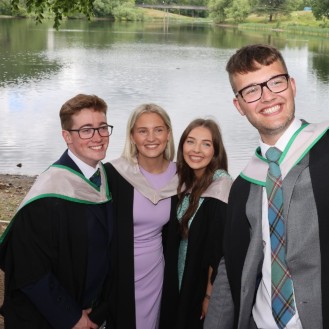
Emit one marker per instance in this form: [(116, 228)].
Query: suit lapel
[(289, 183), (303, 251)]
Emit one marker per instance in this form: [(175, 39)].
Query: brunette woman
[(203, 189)]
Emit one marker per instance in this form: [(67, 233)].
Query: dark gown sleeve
[(36, 250), (182, 309), (214, 241), (53, 301), (31, 247), (122, 304), (170, 291)]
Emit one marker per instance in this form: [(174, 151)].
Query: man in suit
[(257, 285), (56, 251)]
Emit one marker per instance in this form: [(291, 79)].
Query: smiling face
[(198, 149), (150, 135), (92, 150), (272, 113)]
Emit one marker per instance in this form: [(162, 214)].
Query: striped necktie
[(283, 300), (96, 178)]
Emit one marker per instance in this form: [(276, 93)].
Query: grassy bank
[(298, 22), (153, 14)]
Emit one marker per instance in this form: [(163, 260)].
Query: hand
[(85, 322), (205, 305)]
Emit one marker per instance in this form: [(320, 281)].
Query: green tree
[(298, 4), (238, 11), (217, 9), (59, 8), (127, 12), (320, 9), (104, 8), (117, 9), (5, 8), (271, 7)]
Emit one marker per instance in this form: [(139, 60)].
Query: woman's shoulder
[(220, 187), (120, 165)]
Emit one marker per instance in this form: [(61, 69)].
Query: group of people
[(146, 242)]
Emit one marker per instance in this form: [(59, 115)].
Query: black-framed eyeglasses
[(253, 93), (89, 132)]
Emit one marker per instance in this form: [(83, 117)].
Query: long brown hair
[(188, 182)]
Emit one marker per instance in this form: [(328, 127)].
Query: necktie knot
[(96, 178), (273, 154)]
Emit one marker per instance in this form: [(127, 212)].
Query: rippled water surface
[(181, 68)]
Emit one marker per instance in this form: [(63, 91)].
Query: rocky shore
[(13, 188)]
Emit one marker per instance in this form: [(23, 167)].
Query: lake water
[(180, 67)]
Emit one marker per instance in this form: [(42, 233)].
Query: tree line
[(238, 10), (219, 10)]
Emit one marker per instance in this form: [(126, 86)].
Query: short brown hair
[(248, 58), (78, 103)]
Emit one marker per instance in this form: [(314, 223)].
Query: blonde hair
[(130, 150)]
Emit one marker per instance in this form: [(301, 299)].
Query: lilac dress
[(149, 261)]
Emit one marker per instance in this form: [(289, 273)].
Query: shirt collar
[(284, 139), (87, 170)]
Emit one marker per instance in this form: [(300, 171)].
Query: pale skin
[(272, 114), (85, 322), (92, 150), (205, 302), (198, 151), (151, 135)]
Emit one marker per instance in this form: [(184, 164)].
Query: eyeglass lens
[(104, 131), (276, 84)]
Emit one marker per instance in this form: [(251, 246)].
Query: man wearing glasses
[(56, 252), (275, 271)]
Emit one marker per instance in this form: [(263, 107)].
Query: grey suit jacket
[(303, 257)]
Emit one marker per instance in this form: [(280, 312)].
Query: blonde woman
[(143, 182)]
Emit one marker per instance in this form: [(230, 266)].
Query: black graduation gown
[(236, 242), (53, 235), (122, 312), (182, 310), (53, 248)]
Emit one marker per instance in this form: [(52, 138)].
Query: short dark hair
[(78, 103), (248, 58)]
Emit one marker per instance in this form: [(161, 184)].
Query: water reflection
[(181, 67), (321, 67)]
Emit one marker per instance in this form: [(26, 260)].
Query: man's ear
[(67, 136), (238, 107), (293, 86)]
